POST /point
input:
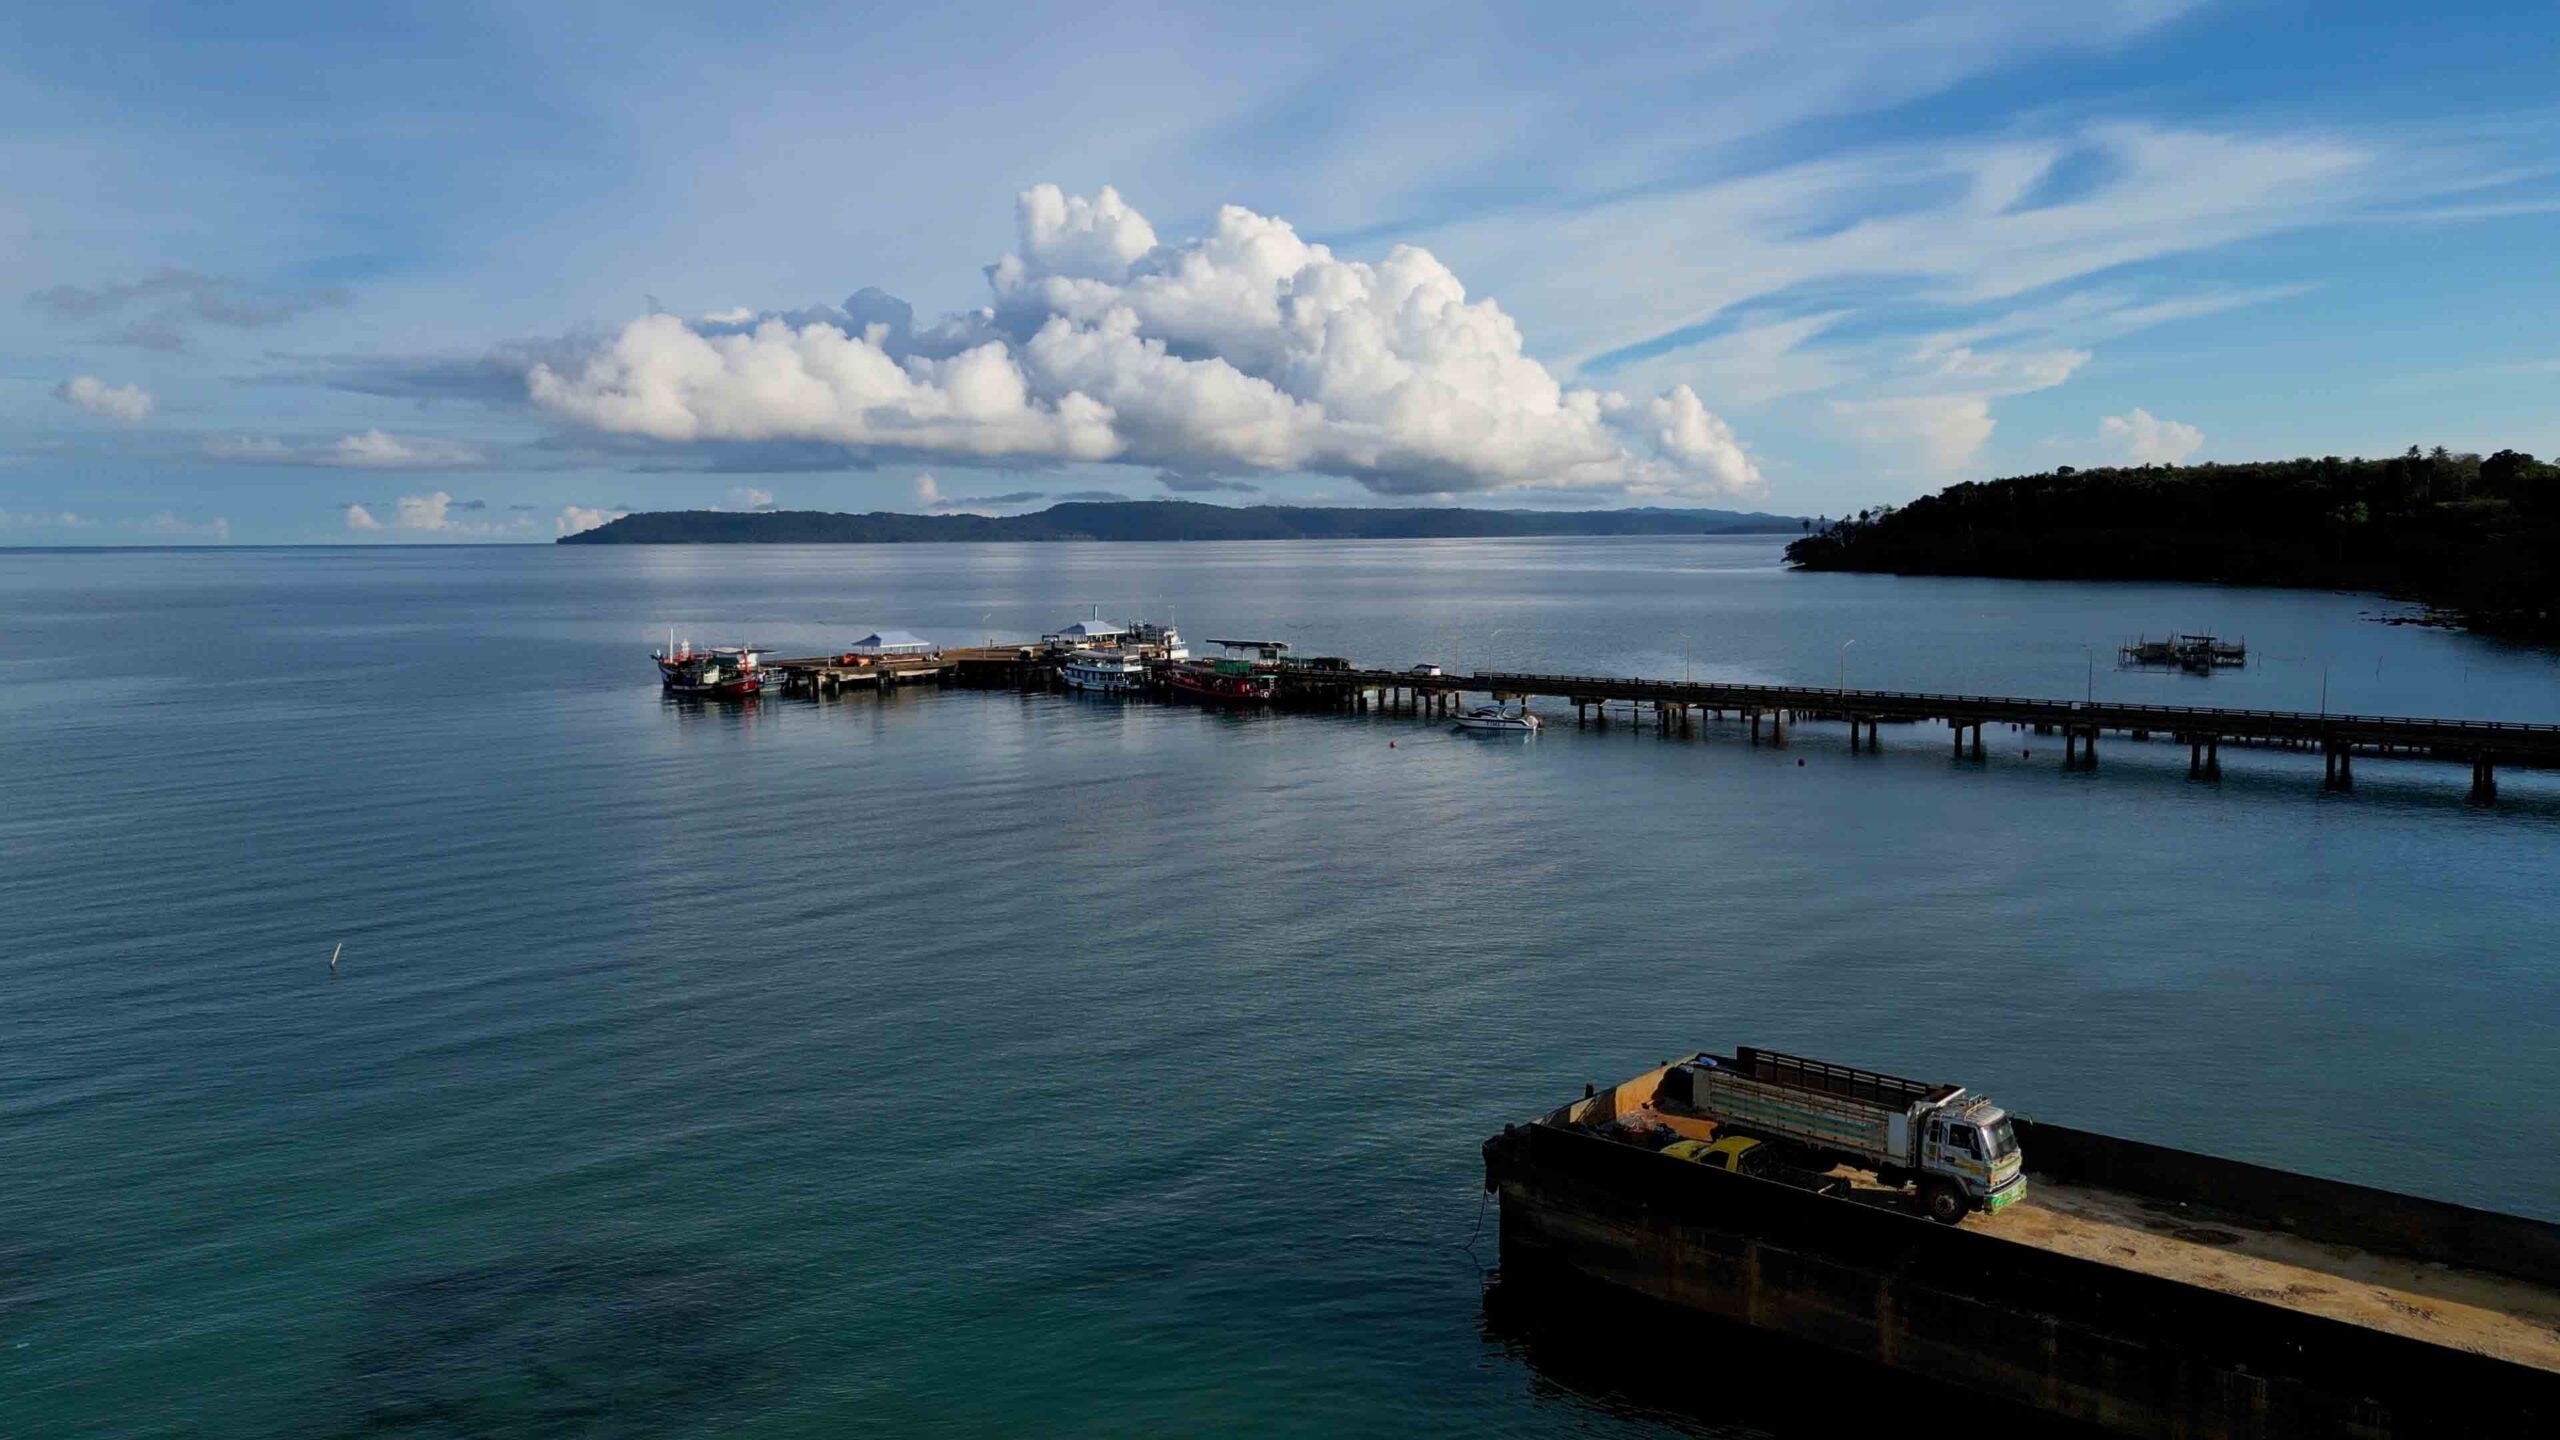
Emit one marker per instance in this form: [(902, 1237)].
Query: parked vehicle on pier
[(1957, 1147), (1743, 1155)]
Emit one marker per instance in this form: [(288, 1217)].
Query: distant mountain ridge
[(1162, 520)]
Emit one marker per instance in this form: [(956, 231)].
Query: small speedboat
[(1497, 720)]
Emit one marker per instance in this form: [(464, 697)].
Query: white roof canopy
[(892, 642)]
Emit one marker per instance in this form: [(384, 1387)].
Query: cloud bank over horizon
[(1248, 349)]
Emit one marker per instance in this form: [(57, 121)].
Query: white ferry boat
[(1115, 671)]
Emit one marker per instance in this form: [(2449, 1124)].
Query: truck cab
[(1969, 1161)]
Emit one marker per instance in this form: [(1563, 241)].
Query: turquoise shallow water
[(974, 1063)]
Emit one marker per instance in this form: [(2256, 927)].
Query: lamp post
[(2089, 694), (1844, 662), (1684, 657)]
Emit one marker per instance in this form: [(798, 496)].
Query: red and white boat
[(1238, 679), (722, 672)]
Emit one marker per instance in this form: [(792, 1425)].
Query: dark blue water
[(969, 1063)]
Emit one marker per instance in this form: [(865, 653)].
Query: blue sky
[(443, 273)]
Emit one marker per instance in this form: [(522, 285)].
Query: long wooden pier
[(1772, 709)]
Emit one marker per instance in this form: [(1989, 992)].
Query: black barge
[(2135, 1289)]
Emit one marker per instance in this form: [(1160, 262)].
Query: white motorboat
[(1495, 719)]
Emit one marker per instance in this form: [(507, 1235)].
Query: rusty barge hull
[(2072, 1337)]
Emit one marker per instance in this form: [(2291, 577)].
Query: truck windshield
[(2004, 1140)]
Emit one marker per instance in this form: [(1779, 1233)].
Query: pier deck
[(2474, 1310), (1771, 711), (2483, 744), (826, 674)]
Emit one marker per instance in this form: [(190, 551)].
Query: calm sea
[(976, 1063)]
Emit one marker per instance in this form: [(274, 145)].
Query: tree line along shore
[(2475, 538)]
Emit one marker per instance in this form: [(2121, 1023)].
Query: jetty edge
[(2132, 1288)]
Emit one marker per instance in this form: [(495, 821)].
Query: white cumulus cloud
[(43, 520), (377, 450), (574, 518), (372, 450), (1248, 348), (423, 512), (2145, 439), (128, 403), (434, 513), (167, 525), (1937, 434), (748, 497)]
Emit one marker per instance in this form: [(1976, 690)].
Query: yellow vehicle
[(1743, 1155)]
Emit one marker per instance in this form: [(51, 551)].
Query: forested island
[(1161, 520), (2476, 538)]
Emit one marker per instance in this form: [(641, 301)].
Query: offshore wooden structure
[(1771, 712)]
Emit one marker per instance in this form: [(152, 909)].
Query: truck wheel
[(1944, 1201)]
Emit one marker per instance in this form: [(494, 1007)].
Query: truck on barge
[(2125, 1286)]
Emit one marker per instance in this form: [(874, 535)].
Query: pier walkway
[(2482, 744)]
